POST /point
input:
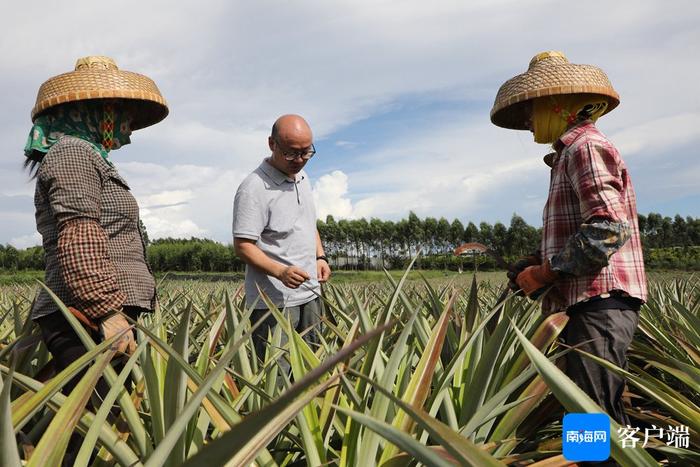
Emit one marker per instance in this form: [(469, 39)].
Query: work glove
[(114, 324), (519, 266), (83, 318), (534, 279)]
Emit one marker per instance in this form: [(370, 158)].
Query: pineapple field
[(410, 370)]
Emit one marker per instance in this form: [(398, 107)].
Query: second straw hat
[(549, 74), (97, 77)]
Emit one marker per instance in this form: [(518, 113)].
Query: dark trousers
[(607, 333), (304, 318), (65, 347)]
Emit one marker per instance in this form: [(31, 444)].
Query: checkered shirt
[(589, 181), (89, 221)]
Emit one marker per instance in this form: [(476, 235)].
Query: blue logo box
[(586, 437)]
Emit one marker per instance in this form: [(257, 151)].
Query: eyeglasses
[(290, 155)]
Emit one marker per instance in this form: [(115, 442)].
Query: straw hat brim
[(511, 107), (150, 106)]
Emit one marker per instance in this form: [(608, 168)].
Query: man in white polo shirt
[(274, 233)]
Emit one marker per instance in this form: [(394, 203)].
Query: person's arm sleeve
[(87, 269), (249, 217), (594, 174), (73, 186)]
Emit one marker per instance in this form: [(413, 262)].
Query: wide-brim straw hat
[(97, 77), (549, 74)]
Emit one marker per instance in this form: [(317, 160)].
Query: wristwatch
[(323, 258)]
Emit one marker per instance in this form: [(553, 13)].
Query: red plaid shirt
[(590, 181)]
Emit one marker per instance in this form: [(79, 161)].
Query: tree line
[(362, 244), (375, 243)]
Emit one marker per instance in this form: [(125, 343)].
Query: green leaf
[(421, 380), (308, 422), (179, 424), (380, 403), (129, 412), (23, 412), (657, 390), (459, 447), (91, 437), (398, 438), (8, 445), (240, 445), (176, 387), (53, 444), (575, 400), (108, 438)]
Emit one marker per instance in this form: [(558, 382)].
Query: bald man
[(274, 232)]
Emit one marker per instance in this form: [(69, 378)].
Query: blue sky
[(398, 95)]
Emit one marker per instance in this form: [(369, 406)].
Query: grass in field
[(20, 277), (372, 276), (340, 276)]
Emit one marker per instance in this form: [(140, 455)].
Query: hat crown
[(98, 77), (95, 62), (550, 57), (549, 74)]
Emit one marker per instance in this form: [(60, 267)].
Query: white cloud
[(453, 188), (653, 136), (159, 226), (166, 199), (229, 69), (330, 196), (487, 180), (346, 144), (453, 170), (184, 200), (25, 241)]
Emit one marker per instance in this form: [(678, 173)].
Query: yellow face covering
[(552, 115)]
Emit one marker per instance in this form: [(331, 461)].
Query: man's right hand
[(293, 276)]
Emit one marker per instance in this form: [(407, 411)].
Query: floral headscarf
[(96, 122), (552, 115)]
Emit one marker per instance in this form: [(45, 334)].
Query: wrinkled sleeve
[(249, 218), (595, 175), (590, 249), (86, 268), (73, 186)]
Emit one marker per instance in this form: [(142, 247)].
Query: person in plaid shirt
[(85, 212), (590, 263)]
